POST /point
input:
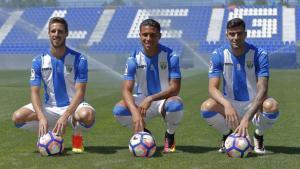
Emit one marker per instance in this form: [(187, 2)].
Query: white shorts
[(155, 108), (241, 106), (52, 113)]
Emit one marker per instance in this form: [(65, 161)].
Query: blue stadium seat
[(181, 25)]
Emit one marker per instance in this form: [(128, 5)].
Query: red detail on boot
[(77, 141)]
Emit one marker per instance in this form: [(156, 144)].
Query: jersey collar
[(63, 57)]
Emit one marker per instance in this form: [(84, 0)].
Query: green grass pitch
[(107, 143)]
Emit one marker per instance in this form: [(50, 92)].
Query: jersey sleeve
[(36, 76), (130, 69), (174, 67), (215, 66), (82, 70), (262, 64)]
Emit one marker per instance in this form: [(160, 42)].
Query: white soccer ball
[(142, 144), (50, 144), (238, 146)]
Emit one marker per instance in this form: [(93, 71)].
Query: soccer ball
[(142, 144), (50, 144), (238, 146)]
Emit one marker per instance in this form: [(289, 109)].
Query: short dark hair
[(235, 22), (59, 20), (150, 22)]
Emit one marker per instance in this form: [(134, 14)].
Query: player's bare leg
[(84, 117), (26, 119)]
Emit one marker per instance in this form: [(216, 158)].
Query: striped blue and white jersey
[(152, 74), (59, 76), (239, 73)]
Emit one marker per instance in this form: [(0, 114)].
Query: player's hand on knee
[(43, 126)]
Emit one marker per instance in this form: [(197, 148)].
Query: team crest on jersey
[(163, 65), (69, 68), (250, 64), (32, 75)]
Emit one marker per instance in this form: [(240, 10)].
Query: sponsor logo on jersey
[(141, 66), (46, 69), (163, 65)]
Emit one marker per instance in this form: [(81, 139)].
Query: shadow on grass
[(63, 154), (158, 153), (159, 149), (103, 149), (180, 148), (113, 149), (196, 149), (283, 149), (270, 149), (273, 150)]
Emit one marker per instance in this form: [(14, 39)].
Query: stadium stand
[(3, 15), (29, 34), (115, 31), (264, 29), (122, 34)]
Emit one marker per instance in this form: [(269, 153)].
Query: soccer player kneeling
[(244, 70), (151, 86), (64, 73)]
